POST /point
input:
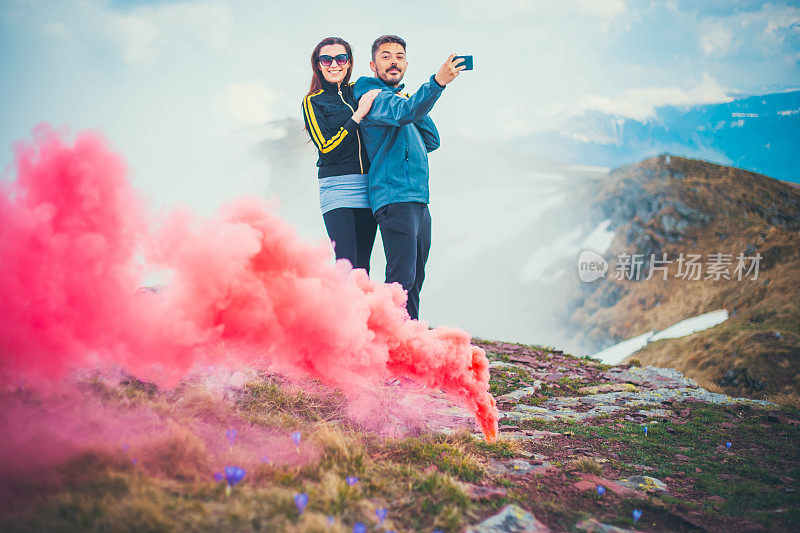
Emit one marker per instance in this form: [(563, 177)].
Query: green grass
[(449, 457), (419, 478), (752, 491)]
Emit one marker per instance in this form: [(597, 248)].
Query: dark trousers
[(353, 234), (406, 234)]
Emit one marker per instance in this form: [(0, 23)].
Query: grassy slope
[(420, 479), (740, 203)]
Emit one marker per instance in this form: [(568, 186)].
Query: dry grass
[(586, 464), (785, 399), (421, 479), (710, 386), (451, 454), (310, 402), (180, 455), (736, 200), (340, 450)]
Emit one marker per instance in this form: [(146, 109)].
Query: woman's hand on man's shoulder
[(365, 104)]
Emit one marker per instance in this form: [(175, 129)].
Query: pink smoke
[(243, 288)]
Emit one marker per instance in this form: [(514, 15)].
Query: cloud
[(136, 36), (766, 31), (604, 13), (641, 102), (791, 23), (144, 34), (57, 30), (250, 103), (716, 41), (147, 32)]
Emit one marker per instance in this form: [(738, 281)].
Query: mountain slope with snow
[(694, 237), (760, 133)]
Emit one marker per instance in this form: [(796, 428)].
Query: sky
[(186, 89)]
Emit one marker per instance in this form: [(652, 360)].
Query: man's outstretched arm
[(390, 109)]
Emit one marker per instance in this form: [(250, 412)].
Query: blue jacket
[(398, 134)]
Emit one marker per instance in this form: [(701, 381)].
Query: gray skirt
[(349, 190)]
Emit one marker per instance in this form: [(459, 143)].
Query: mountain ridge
[(721, 132), (671, 205)]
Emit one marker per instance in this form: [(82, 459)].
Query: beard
[(391, 79)]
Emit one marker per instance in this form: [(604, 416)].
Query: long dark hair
[(316, 77)]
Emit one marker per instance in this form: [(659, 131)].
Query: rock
[(584, 485), (510, 519), (502, 364), (652, 376), (641, 467), (530, 434), (481, 492), (520, 467), (612, 486), (590, 525), (645, 483), (652, 413), (514, 396), (608, 387)]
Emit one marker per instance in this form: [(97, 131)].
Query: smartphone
[(467, 61)]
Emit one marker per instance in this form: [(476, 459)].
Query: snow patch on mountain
[(616, 353)]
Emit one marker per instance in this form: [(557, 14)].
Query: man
[(398, 134)]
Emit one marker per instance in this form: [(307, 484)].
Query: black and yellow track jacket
[(327, 114)]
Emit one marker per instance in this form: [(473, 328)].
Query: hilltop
[(653, 440), (672, 205)]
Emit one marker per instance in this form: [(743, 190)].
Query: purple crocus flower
[(600, 490), (381, 513), (636, 515), (231, 435), (296, 438), (234, 474), (727, 445), (359, 528), (351, 480), (301, 500)]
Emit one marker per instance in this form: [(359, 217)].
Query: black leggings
[(352, 231)]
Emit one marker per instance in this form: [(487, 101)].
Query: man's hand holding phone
[(449, 70)]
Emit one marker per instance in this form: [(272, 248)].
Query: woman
[(332, 115)]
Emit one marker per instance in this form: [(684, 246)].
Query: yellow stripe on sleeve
[(323, 145)]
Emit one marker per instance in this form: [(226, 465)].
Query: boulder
[(510, 519)]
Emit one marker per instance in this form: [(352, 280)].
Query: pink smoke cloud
[(243, 287)]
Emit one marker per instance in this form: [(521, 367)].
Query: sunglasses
[(326, 60)]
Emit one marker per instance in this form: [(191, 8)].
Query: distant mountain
[(759, 133), (666, 206)]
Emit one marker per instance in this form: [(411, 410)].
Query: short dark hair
[(383, 39)]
